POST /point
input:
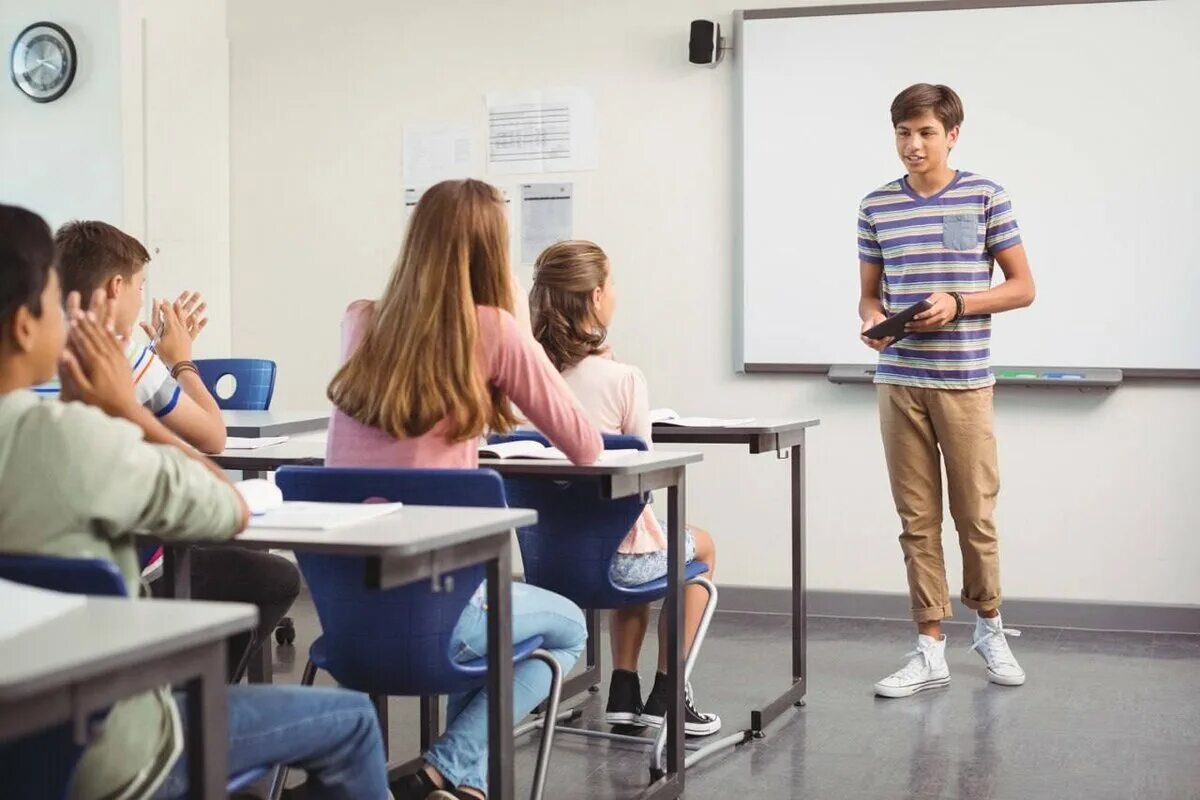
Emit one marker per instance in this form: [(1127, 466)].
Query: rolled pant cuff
[(981, 605), (933, 613), (453, 777)]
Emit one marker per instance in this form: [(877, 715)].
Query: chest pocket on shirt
[(960, 231)]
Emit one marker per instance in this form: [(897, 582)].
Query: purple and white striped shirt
[(943, 243)]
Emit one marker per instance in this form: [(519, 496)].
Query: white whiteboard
[(1087, 114)]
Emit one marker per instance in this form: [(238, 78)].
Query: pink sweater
[(511, 360)]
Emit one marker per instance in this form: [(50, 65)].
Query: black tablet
[(893, 326)]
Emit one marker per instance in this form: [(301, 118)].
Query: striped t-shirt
[(153, 385), (943, 243)]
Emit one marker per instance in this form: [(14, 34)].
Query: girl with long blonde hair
[(428, 368)]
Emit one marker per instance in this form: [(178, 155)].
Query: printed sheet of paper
[(547, 212), (435, 153), (549, 130)]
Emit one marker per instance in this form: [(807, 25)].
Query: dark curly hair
[(560, 303)]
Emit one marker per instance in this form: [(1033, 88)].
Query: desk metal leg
[(260, 669), (431, 721), (207, 734), (177, 571), (670, 783), (500, 675), (589, 679), (762, 717)]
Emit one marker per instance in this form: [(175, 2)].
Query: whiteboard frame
[(740, 17)]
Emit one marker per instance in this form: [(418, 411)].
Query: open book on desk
[(665, 416), (528, 448)]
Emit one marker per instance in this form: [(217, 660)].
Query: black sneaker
[(695, 723), (624, 699)]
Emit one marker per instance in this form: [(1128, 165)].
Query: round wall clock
[(43, 62)]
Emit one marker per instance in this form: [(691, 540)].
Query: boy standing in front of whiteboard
[(936, 234)]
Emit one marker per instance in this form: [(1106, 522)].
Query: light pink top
[(512, 361), (615, 398)]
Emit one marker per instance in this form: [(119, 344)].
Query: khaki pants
[(915, 423)]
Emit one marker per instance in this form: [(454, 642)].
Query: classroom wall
[(141, 139), (64, 159), (1096, 501)]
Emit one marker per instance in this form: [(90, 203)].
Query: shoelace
[(996, 645), (688, 701), (914, 665)]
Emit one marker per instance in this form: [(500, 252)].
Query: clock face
[(43, 62)]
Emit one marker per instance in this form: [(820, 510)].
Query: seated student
[(79, 477), (97, 257), (428, 368), (571, 304)]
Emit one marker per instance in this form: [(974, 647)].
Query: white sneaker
[(991, 643), (926, 669)]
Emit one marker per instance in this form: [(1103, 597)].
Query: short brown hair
[(91, 252), (560, 303), (943, 101)]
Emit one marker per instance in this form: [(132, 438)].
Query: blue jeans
[(461, 754), (332, 734)]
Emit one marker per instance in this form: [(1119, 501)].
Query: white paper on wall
[(541, 130), (547, 211)]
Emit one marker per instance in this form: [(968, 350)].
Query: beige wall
[(1096, 500)]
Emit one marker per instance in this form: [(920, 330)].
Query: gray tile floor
[(1103, 715)]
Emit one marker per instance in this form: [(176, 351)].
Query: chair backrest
[(72, 575), (395, 641), (255, 379), (41, 765), (570, 548)]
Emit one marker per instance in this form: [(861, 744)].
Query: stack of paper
[(239, 443), (302, 515)]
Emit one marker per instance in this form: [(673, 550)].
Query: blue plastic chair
[(570, 548), (397, 642), (41, 765), (255, 378)]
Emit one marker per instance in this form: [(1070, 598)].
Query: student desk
[(411, 544), (257, 463), (111, 648), (783, 436), (634, 473), (257, 424)]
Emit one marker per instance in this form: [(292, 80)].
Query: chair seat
[(657, 588), (475, 668)]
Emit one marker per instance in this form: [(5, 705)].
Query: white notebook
[(665, 416), (309, 516), (240, 443)]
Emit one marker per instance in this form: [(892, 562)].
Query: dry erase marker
[(1065, 375)]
